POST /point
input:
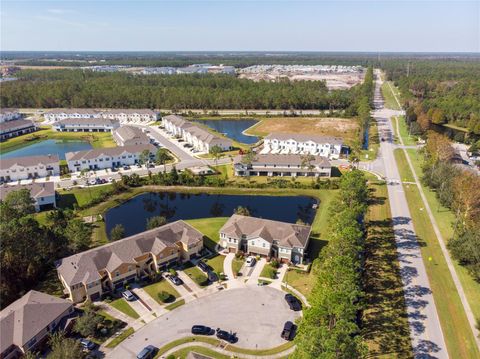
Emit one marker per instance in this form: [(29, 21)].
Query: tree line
[(330, 327), (458, 190), (87, 89)]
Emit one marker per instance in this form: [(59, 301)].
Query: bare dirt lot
[(339, 127)]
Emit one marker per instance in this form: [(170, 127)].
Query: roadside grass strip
[(122, 305), (403, 168), (120, 338), (175, 305)]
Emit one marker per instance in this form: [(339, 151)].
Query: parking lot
[(230, 310)]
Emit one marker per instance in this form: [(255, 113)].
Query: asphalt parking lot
[(255, 314)]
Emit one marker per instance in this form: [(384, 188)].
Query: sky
[(244, 25)]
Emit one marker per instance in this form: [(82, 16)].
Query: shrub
[(165, 297), (275, 264), (270, 272), (172, 271)]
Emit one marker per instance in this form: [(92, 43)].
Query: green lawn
[(269, 272), (176, 304), (216, 263), (403, 128), (210, 228), (385, 324), (80, 196), (196, 275), (387, 92), (237, 265), (96, 139), (456, 330), (120, 338), (162, 286), (373, 144), (122, 305), (183, 353), (395, 130), (403, 168), (300, 280)]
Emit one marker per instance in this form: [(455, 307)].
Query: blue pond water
[(134, 213), (49, 147), (233, 129)]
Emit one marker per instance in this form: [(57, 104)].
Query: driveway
[(255, 314)]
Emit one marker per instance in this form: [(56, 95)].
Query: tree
[(144, 157), (63, 347), (216, 152), (307, 160), (78, 234), (87, 324), (16, 204), (242, 211), (248, 158), (156, 221), (162, 157), (117, 232)]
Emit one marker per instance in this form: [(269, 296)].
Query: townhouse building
[(199, 138), (129, 135), (26, 323), (291, 165), (285, 242), (77, 113), (9, 114), (20, 168), (131, 115), (43, 193), (296, 143), (91, 124), (14, 128), (101, 270), (101, 158)]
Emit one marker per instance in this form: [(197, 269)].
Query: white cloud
[(59, 11)]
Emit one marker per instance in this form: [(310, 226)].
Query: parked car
[(293, 302), (92, 182), (147, 353), (203, 266), (126, 167), (201, 330), (87, 344), (103, 181), (151, 165), (288, 330), (110, 179), (175, 280), (224, 335), (212, 276), (128, 295), (250, 262)]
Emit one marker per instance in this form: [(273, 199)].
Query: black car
[(293, 302), (203, 266), (147, 353), (175, 280), (87, 344), (212, 277), (224, 335), (288, 331), (201, 330)]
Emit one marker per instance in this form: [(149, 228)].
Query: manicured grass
[(387, 92), (458, 336), (122, 305), (176, 304), (96, 139), (80, 196), (268, 271), (162, 286), (385, 324), (183, 353), (403, 168), (406, 138), (300, 280), (196, 275), (237, 265), (395, 130), (120, 338), (210, 228), (216, 263)]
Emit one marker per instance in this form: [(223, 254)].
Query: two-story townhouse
[(256, 236), (101, 158), (43, 193), (86, 125), (129, 135), (9, 114), (296, 143), (26, 323), (19, 168), (131, 115), (104, 269), (62, 114), (283, 165), (14, 128)]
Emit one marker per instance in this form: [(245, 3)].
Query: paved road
[(426, 332), (255, 314)]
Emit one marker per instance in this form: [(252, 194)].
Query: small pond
[(49, 147), (233, 129), (134, 213)]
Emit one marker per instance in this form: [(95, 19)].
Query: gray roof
[(15, 124), (88, 122), (286, 159), (287, 234), (84, 267), (29, 161), (175, 119), (112, 151), (5, 110), (26, 317), (197, 131), (131, 111), (37, 189), (83, 111), (127, 133), (302, 137)]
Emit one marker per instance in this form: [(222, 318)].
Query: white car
[(250, 262), (92, 182), (110, 179)]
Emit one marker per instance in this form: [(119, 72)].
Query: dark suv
[(224, 335), (293, 302), (203, 266), (201, 330), (288, 330)]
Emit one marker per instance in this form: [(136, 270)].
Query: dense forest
[(77, 88), (436, 93)]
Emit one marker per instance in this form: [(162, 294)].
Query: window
[(117, 273)]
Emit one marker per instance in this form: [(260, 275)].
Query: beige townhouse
[(104, 269)]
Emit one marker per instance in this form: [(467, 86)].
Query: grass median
[(122, 305)]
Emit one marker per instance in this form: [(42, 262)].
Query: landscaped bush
[(275, 264), (269, 272), (172, 271), (165, 297), (201, 280)]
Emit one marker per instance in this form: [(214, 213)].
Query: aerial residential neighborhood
[(240, 179)]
